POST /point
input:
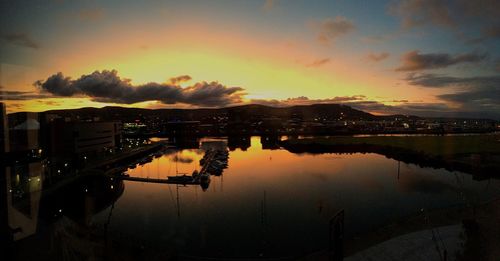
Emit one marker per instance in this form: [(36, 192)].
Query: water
[(266, 203)]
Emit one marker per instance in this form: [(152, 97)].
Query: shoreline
[(477, 160)]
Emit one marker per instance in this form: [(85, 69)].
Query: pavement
[(429, 244)]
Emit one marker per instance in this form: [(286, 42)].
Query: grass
[(431, 145)]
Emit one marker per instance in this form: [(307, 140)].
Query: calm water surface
[(272, 202)]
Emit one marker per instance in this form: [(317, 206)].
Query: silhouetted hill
[(303, 112)]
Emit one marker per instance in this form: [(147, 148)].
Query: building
[(182, 128), (4, 130), (81, 139), (24, 133)]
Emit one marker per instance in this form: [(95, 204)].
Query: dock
[(197, 180), (153, 180)]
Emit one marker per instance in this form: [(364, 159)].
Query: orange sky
[(273, 52)]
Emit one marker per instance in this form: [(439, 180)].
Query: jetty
[(208, 163)]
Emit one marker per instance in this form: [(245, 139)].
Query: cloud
[(475, 94), (21, 95), (377, 57), (415, 13), (319, 62), (437, 81), (303, 100), (107, 86), (91, 15), (180, 79), (405, 107), (20, 39), (463, 17), (331, 29), (414, 61)]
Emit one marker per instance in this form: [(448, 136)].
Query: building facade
[(81, 138), (24, 133)]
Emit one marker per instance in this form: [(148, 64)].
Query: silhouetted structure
[(80, 139), (182, 128), (24, 134), (270, 142), (4, 130), (238, 142)]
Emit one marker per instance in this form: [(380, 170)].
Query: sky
[(419, 57)]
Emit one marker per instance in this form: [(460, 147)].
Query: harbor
[(213, 162)]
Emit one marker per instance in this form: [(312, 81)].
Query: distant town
[(67, 132)]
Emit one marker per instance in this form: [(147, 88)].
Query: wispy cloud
[(332, 28), (319, 62), (377, 57), (22, 95), (20, 39)]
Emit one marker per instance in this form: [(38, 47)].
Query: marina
[(213, 162)]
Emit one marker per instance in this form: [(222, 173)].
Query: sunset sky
[(421, 57)]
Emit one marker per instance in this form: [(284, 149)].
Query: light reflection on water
[(268, 202), (274, 201)]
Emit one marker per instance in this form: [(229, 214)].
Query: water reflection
[(268, 202)]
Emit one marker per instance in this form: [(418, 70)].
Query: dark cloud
[(461, 16), (331, 29), (107, 86), (319, 62), (20, 39), (480, 95), (488, 10), (377, 57), (415, 13), (414, 61), (436, 81)]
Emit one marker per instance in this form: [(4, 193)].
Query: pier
[(196, 178), (154, 180)]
